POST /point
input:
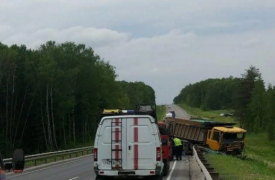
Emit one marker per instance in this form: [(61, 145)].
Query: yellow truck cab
[(227, 139)]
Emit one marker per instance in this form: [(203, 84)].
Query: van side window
[(106, 135)]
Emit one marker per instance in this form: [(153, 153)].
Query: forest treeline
[(253, 104), (210, 94), (51, 97)]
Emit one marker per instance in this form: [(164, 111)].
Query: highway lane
[(180, 171), (82, 169), (193, 169), (180, 113)]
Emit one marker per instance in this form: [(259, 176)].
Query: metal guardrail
[(54, 154), (203, 168)]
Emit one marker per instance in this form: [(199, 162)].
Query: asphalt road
[(180, 113), (82, 169), (180, 171)]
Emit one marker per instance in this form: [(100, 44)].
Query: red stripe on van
[(135, 154), (117, 140)]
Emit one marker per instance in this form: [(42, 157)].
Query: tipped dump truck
[(218, 136)]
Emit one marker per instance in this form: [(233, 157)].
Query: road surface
[(180, 113), (194, 171), (82, 169)]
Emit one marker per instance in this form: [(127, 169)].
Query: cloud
[(252, 42), (92, 36), (166, 44), (171, 61), (131, 16)]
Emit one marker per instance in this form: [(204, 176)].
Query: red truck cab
[(166, 147)]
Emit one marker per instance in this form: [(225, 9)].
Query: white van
[(169, 115), (128, 146)]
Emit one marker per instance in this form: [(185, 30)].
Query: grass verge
[(161, 110), (260, 161), (231, 168), (215, 115)]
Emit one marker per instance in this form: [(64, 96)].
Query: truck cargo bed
[(192, 130)]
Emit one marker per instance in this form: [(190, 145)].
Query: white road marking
[(74, 178), (170, 174), (61, 164)]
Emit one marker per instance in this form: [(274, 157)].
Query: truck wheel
[(166, 169), (159, 177)]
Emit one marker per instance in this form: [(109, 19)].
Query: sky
[(165, 43)]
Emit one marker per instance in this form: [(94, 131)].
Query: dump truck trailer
[(217, 136)]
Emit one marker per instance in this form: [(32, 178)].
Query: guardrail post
[(54, 158), (35, 162)]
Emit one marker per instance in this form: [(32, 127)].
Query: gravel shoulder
[(195, 171)]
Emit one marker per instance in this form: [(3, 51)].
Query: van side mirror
[(18, 161)]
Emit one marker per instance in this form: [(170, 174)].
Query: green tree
[(269, 113), (52, 97), (256, 106), (243, 97), (210, 94)]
